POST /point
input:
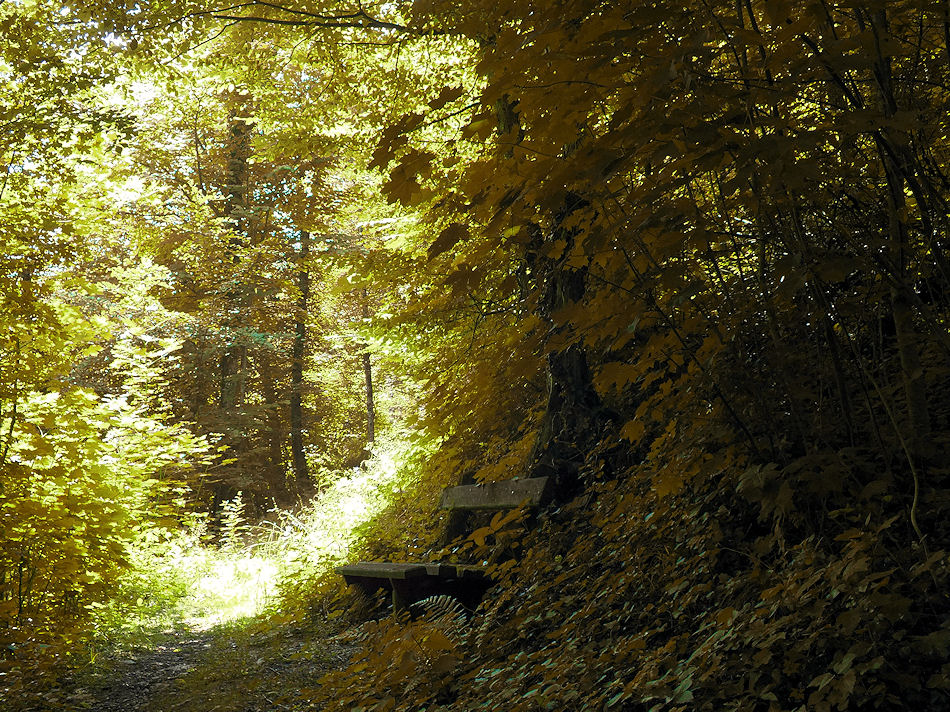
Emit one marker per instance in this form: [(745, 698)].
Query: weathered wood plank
[(410, 582), (440, 570), (497, 495), (382, 569), (413, 582), (471, 572), (456, 571)]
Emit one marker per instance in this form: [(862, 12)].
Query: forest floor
[(238, 667)]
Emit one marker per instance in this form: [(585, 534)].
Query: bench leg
[(402, 596), (454, 526)]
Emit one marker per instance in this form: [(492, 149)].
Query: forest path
[(251, 668)]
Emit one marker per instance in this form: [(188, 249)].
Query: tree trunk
[(276, 473), (227, 376), (574, 413), (235, 190), (897, 159), (298, 456), (368, 374)]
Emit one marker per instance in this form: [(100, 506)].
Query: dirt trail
[(151, 675), (226, 669)]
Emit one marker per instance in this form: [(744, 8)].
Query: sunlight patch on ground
[(234, 586), (239, 580), (187, 577), (180, 580)]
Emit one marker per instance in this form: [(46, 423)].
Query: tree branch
[(371, 23), (359, 19)]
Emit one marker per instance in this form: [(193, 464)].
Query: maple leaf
[(668, 482), (633, 430), (402, 185), (447, 239), (393, 138), (446, 96)]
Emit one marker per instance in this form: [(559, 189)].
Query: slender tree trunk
[(276, 472), (298, 457), (895, 156), (368, 374), (227, 376), (15, 399), (911, 370), (235, 190)]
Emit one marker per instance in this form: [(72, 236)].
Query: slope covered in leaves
[(620, 599)]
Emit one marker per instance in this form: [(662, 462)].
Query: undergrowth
[(709, 598), (377, 502), (245, 586), (205, 573)]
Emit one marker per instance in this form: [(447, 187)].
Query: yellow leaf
[(556, 249), (633, 430), (725, 616), (447, 95), (668, 483), (447, 239), (444, 664), (834, 269), (501, 519), (479, 536)]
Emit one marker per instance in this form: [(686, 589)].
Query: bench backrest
[(497, 495)]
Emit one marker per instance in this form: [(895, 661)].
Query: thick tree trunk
[(574, 413), (298, 456)]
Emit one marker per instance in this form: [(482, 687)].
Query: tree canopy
[(687, 259)]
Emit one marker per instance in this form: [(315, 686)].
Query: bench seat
[(411, 582)]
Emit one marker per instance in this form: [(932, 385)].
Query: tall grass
[(182, 578), (310, 542)]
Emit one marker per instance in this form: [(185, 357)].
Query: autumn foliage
[(688, 259), (729, 220)]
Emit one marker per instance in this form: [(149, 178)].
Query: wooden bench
[(412, 582)]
